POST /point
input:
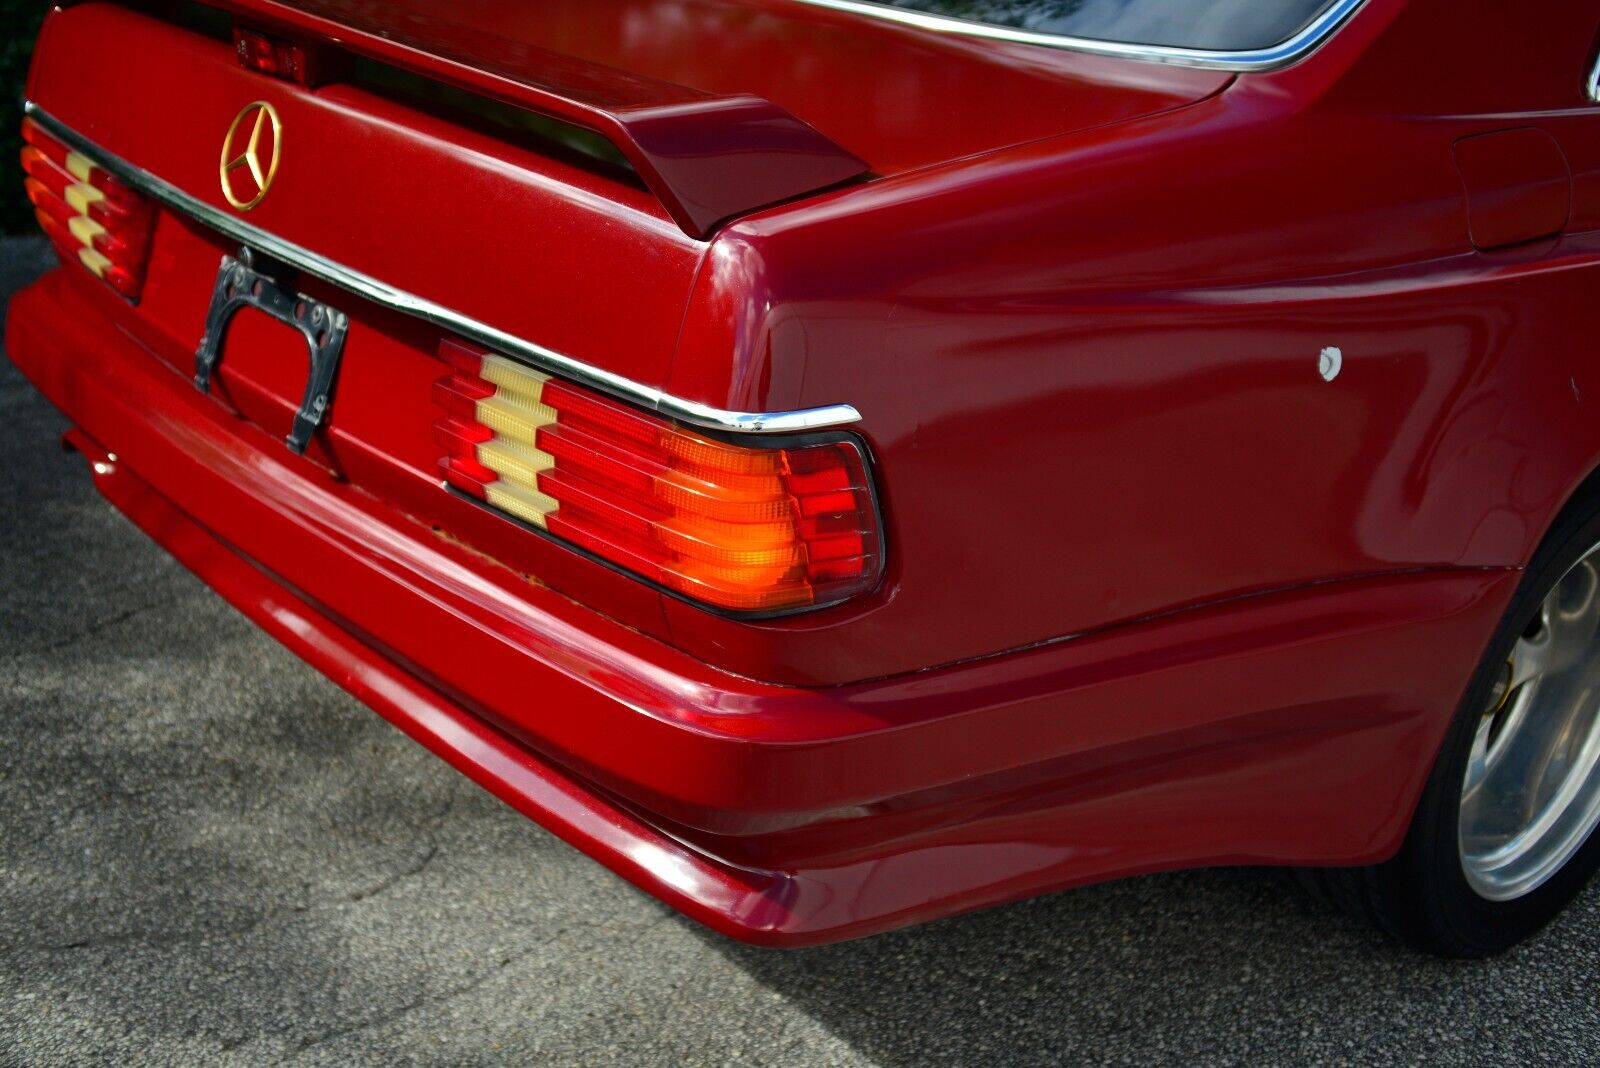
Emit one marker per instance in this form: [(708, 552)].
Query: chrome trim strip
[(1278, 55), (365, 285)]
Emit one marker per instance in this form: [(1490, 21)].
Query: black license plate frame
[(244, 281)]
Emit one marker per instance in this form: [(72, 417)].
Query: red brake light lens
[(91, 218), (289, 60), (742, 528)]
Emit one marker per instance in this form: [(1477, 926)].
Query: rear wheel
[(1503, 836)]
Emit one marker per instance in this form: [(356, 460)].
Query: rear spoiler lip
[(717, 158), (686, 411), (707, 158)]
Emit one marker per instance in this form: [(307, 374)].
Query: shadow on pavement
[(1221, 966), (209, 855)]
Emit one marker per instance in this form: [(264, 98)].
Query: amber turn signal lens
[(739, 527), (90, 217)]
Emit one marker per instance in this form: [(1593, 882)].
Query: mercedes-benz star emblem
[(247, 173)]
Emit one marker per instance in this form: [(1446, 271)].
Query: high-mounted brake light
[(89, 216), (261, 51), (749, 529)]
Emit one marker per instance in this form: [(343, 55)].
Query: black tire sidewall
[(1447, 914)]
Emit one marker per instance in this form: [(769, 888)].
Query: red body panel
[(1517, 184), (787, 815), (519, 241), (900, 101), (1158, 593)]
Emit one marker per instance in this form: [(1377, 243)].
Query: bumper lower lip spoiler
[(742, 903), (364, 285)]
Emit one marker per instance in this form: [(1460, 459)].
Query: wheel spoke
[(1530, 657), (1531, 791), (1572, 613)]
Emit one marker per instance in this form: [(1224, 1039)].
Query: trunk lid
[(453, 163), (431, 163), (900, 98), (527, 241)]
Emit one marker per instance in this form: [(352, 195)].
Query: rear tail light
[(90, 217), (748, 529)]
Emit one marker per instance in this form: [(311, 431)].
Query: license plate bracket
[(241, 285)]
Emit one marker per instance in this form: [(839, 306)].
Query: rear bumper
[(1288, 728)]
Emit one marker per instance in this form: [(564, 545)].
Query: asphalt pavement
[(211, 855)]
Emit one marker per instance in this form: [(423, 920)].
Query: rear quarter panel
[(1089, 368)]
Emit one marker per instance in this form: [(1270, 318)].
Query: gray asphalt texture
[(210, 855)]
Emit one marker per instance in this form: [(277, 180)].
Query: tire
[(1425, 894)]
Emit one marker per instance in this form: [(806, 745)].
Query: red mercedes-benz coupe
[(840, 464)]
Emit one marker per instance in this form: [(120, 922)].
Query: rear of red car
[(510, 366)]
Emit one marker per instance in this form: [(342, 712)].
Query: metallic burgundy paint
[(1158, 594)]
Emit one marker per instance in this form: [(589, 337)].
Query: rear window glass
[(1214, 25)]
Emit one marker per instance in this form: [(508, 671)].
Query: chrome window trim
[(1278, 55), (354, 281), (1594, 83)]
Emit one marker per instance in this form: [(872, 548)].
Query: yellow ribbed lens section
[(508, 417), (516, 413), (530, 506), (85, 229), (523, 383), (81, 197), (79, 167), (519, 463), (95, 260)]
